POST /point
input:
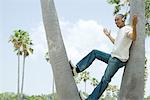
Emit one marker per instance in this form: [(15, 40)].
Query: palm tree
[(26, 51), (22, 43), (132, 87), (65, 84), (84, 76), (111, 92), (94, 82), (16, 41)]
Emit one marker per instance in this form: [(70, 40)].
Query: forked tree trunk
[(132, 87), (65, 85)]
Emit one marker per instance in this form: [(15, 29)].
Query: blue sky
[(81, 23)]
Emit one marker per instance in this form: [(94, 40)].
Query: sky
[(81, 23)]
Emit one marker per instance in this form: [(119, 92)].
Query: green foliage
[(116, 9), (147, 98), (113, 1), (47, 57), (118, 5), (113, 91), (8, 96), (147, 8), (145, 74), (13, 96), (147, 28), (84, 76), (94, 82), (21, 42), (147, 16)]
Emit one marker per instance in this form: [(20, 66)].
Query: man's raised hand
[(106, 31)]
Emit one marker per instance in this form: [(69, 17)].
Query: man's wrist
[(134, 26)]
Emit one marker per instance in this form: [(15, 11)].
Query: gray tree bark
[(132, 87), (65, 84)]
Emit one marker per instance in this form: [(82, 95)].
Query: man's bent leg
[(87, 60), (113, 65)]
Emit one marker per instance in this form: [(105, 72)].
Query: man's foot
[(73, 68), (82, 95)]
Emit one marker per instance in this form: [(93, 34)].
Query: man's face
[(119, 22)]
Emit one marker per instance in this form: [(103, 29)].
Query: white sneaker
[(82, 95), (73, 68)]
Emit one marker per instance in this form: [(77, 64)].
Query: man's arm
[(109, 35), (133, 34)]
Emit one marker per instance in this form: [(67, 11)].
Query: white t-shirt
[(122, 44)]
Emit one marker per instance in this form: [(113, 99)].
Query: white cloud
[(82, 37), (79, 38), (39, 40)]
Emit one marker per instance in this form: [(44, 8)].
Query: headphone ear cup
[(123, 19)]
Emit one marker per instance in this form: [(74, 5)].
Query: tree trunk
[(53, 86), (65, 84), (85, 86), (23, 70), (18, 86), (132, 87)]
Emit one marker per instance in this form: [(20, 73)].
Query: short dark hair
[(120, 15)]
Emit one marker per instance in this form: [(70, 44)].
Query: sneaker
[(82, 95), (73, 68)]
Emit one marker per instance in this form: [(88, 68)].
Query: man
[(117, 59)]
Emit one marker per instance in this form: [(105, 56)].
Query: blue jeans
[(113, 65)]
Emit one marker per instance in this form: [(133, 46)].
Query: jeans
[(113, 65)]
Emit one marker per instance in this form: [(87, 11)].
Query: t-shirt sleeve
[(129, 30)]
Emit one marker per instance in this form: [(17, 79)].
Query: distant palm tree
[(21, 42), (112, 91), (26, 50), (84, 76), (16, 41), (94, 82)]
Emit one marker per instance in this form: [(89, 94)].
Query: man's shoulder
[(127, 27)]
